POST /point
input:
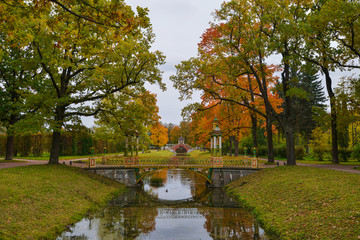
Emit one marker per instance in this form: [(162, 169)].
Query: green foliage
[(319, 143), (299, 152), (303, 203), (345, 154), (262, 150), (280, 150), (247, 142), (23, 145), (356, 153), (2, 144)]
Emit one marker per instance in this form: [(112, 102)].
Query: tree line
[(245, 91), (60, 61)]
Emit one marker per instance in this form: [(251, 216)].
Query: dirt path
[(25, 162)]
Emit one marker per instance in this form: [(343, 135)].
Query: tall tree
[(86, 62), (309, 99), (18, 72)]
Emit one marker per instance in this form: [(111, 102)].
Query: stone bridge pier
[(223, 176), (125, 176)]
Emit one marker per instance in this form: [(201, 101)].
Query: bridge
[(217, 171)]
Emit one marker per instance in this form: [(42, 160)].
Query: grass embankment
[(156, 153), (329, 162), (37, 202), (198, 153), (303, 203)]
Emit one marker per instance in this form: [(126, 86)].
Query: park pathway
[(26, 162), (343, 168)]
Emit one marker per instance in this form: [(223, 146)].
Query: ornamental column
[(215, 146), (211, 146), (216, 139), (220, 146), (132, 145), (137, 144)]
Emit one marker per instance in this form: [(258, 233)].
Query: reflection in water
[(187, 210)]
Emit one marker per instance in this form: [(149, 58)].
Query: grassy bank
[(39, 201), (198, 153), (303, 203), (156, 153)]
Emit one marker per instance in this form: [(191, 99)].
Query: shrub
[(344, 154), (319, 143), (262, 151), (356, 153), (280, 150), (299, 152)]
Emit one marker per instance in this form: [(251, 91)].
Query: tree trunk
[(270, 143), (55, 147), (236, 146), (254, 132), (10, 140), (290, 146), (334, 138), (10, 147), (307, 143), (230, 147), (288, 123)]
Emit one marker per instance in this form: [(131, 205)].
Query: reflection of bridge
[(166, 213), (217, 171)]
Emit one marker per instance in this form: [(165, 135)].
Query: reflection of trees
[(225, 223), (162, 173), (127, 223)]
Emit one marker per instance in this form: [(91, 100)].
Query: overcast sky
[(178, 25)]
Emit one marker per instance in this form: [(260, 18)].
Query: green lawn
[(37, 202), (350, 162), (9, 161), (294, 202), (156, 153), (198, 153)]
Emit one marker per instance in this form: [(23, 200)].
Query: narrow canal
[(181, 208)]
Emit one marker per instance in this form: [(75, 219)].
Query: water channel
[(182, 208)]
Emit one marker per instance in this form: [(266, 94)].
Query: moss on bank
[(39, 201), (302, 202)]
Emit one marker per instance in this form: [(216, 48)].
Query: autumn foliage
[(159, 135)]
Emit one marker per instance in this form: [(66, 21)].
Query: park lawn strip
[(37, 202), (155, 153), (198, 153), (294, 202)]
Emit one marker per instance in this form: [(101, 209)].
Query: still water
[(182, 208)]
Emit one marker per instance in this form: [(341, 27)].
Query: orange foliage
[(159, 135), (175, 134), (230, 92)]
